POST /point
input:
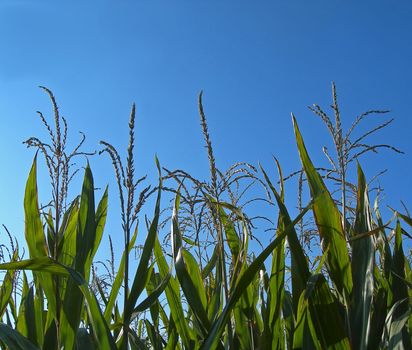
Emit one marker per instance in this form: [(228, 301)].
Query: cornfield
[(198, 285)]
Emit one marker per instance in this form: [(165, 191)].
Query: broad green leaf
[(174, 301), (142, 272), (325, 313), (304, 336), (214, 292), (114, 291), (26, 323), (34, 234), (135, 342), (243, 313), (86, 225), (231, 236), (172, 341), (188, 274), (84, 340), (67, 246), (33, 226), (14, 340), (397, 332), (328, 221), (154, 336), (101, 330), (213, 339), (405, 218), (363, 262), (39, 314), (73, 299), (101, 215), (6, 290), (43, 264), (399, 286), (211, 263), (152, 297), (274, 325), (319, 324), (288, 319), (300, 265), (378, 317)]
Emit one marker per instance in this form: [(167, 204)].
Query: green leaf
[(405, 218), (84, 340), (211, 263), (399, 285), (304, 336), (300, 265), (101, 330), (274, 336), (86, 226), (14, 340), (397, 330), (73, 298), (173, 298), (328, 221), (325, 313), (26, 323), (114, 291), (6, 290), (288, 319), (231, 236), (151, 298), (363, 263), (33, 226), (101, 215), (188, 273), (33, 231), (43, 264), (67, 250), (142, 272), (247, 277)]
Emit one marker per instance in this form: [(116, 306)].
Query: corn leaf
[(188, 274), (101, 215), (33, 231), (213, 339), (363, 262), (114, 291), (231, 236), (142, 272), (151, 298), (26, 323), (101, 330), (299, 263), (173, 298), (85, 238), (325, 313), (14, 340), (6, 291), (328, 221)]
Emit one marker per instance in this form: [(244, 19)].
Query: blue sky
[(255, 61)]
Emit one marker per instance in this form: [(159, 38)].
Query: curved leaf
[(328, 221)]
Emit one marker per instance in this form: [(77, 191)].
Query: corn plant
[(62, 241), (205, 289), (130, 208)]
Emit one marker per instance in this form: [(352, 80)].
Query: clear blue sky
[(256, 61)]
